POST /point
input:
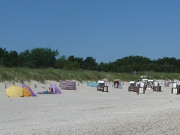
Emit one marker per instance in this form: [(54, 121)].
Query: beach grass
[(40, 75)]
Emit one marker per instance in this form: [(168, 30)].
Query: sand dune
[(87, 111)]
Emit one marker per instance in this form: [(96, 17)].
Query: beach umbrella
[(14, 91), (56, 90)]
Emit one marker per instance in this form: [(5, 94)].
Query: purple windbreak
[(68, 85), (56, 90), (32, 93)]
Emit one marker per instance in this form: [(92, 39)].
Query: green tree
[(61, 62), (43, 57), (90, 63), (13, 58), (2, 53), (24, 59)]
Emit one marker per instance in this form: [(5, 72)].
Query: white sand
[(91, 112)]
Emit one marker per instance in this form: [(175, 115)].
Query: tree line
[(47, 58)]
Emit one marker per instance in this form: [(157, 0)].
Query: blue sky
[(104, 29)]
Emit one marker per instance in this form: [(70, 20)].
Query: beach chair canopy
[(132, 82), (56, 90), (101, 81), (14, 91), (144, 80)]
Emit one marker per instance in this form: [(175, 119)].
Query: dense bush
[(45, 58)]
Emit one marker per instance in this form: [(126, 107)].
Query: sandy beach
[(87, 111)]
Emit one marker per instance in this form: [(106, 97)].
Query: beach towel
[(46, 93), (92, 84), (55, 90)]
